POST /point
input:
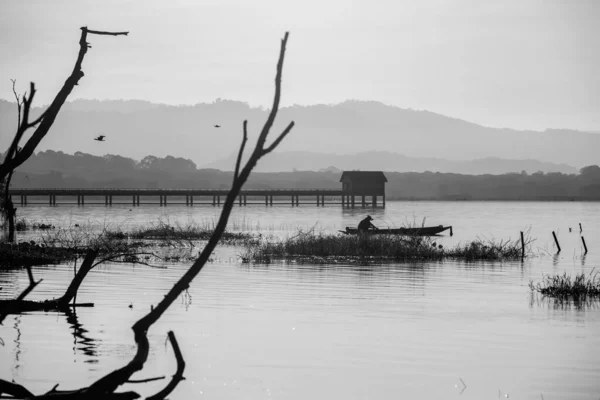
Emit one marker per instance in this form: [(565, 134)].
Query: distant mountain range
[(353, 134), (387, 161)]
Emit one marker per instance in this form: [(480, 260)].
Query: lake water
[(287, 331)]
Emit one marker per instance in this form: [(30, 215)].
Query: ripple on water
[(298, 331)]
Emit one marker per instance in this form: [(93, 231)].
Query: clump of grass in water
[(320, 247), (564, 287), (85, 237), (21, 225), (176, 233)]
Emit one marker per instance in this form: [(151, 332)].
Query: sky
[(522, 64)]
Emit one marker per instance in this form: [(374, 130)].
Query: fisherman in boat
[(366, 224)]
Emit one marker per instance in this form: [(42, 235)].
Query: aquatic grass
[(564, 286), (323, 247), (175, 234), (21, 225)]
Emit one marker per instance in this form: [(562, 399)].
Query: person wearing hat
[(366, 224)]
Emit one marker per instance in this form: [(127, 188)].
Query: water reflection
[(17, 353), (565, 304), (186, 299), (317, 331), (86, 344)]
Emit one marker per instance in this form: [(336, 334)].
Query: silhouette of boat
[(423, 231)]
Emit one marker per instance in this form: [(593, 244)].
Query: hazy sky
[(522, 64)]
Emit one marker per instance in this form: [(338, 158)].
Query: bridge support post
[(53, 199), (271, 200), (133, 200), (82, 200), (266, 199), (297, 199), (110, 200), (50, 200), (191, 200), (219, 200), (245, 200), (353, 200), (214, 200), (363, 201), (293, 200), (383, 201), (25, 198), (374, 201), (105, 199), (240, 199), (161, 200), (165, 200)]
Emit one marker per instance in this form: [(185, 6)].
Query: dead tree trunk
[(106, 386), (112, 381), (20, 305), (17, 155), (9, 210)]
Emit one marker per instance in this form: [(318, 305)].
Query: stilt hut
[(363, 184)]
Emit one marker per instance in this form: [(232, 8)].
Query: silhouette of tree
[(17, 154), (105, 387)]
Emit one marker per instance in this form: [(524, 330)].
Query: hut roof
[(363, 175)]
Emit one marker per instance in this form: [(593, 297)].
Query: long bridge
[(190, 197)]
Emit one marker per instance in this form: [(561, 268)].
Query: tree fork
[(110, 382)]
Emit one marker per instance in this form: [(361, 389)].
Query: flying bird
[(217, 126), (100, 138)]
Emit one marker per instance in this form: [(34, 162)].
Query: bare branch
[(36, 121), (15, 390), (279, 139), (119, 255), (239, 157), (86, 266), (158, 378), (178, 377), (110, 382), (18, 99), (52, 111), (32, 285), (105, 33), (267, 127)]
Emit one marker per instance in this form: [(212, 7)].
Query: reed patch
[(564, 287), (324, 248)]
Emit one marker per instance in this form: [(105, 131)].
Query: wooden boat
[(423, 231)]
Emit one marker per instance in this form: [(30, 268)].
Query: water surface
[(292, 331)]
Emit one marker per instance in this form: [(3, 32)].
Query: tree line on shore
[(50, 169)]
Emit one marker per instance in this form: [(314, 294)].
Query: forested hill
[(53, 170), (137, 128)]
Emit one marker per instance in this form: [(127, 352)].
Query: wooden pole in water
[(580, 228), (522, 246), (584, 246), (556, 241)]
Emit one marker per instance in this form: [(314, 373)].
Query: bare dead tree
[(20, 305), (6, 204), (17, 154), (105, 387)]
